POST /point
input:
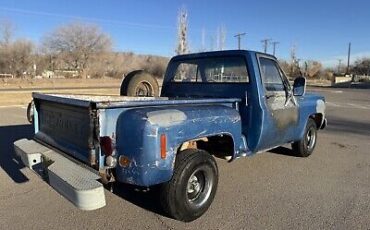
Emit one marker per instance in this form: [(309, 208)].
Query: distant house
[(48, 74), (6, 75)]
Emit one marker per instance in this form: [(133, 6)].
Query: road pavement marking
[(325, 90), (13, 106), (358, 106), (347, 105), (333, 104)]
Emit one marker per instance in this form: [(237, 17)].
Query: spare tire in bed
[(30, 112), (139, 83)]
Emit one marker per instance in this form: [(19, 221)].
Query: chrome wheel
[(310, 138), (192, 187), (199, 186)]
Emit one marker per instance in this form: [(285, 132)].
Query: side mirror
[(299, 86)]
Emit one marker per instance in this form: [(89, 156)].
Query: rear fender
[(139, 131)]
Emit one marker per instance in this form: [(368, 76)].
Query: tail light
[(163, 146), (107, 145)]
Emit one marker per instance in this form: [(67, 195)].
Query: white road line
[(357, 106), (13, 106), (332, 104), (347, 105), (325, 90)]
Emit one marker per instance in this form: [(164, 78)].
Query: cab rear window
[(213, 70)]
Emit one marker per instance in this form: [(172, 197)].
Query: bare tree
[(221, 37), (76, 44), (285, 66), (203, 40), (362, 66), (313, 68), (295, 70), (20, 57), (5, 35), (15, 56), (6, 32), (182, 46)]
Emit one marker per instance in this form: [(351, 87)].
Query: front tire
[(305, 147), (190, 192)]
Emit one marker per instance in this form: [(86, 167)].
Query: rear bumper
[(76, 183)]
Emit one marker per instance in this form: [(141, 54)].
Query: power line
[(238, 36), (265, 42), (88, 19)]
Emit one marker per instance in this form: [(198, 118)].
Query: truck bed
[(104, 102), (73, 123)]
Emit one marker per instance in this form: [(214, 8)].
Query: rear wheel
[(193, 186), (305, 147)]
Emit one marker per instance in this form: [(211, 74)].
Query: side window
[(271, 76)]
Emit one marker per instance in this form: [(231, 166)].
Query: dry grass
[(26, 86), (7, 83)]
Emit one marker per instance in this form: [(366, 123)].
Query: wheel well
[(317, 117), (221, 146)]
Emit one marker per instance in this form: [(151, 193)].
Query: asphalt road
[(272, 190)]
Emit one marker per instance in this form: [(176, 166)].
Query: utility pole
[(349, 57), (339, 65), (265, 43), (274, 46), (239, 38)]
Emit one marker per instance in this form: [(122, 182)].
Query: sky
[(320, 30)]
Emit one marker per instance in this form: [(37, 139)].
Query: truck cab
[(271, 112)]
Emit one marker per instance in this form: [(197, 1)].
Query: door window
[(271, 75)]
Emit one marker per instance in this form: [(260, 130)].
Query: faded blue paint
[(138, 137)]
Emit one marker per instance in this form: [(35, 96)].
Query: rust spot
[(285, 117)]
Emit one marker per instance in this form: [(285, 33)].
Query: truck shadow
[(11, 164), (8, 160), (146, 199), (283, 151)]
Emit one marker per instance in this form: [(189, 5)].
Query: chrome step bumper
[(76, 183)]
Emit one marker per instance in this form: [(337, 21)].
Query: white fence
[(6, 75)]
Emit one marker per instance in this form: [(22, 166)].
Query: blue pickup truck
[(224, 104)]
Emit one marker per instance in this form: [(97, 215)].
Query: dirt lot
[(19, 91), (7, 83)]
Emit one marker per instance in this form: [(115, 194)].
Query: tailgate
[(68, 127)]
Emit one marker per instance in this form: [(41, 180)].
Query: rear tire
[(139, 83), (305, 147), (190, 192)]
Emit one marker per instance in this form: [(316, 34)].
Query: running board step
[(75, 182)]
